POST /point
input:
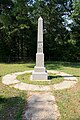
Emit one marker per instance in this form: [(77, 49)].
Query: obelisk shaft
[(40, 36), (39, 72)]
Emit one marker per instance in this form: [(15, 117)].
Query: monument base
[(39, 76), (39, 69), (39, 73)]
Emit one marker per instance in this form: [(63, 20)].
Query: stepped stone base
[(39, 69), (39, 74)]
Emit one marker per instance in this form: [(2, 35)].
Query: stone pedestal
[(39, 72), (39, 76)]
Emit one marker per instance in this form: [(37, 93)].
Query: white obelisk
[(39, 72)]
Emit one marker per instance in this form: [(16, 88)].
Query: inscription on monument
[(40, 46)]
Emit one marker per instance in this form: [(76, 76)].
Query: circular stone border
[(10, 79)]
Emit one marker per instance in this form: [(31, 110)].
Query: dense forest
[(18, 29)]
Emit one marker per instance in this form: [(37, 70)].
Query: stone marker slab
[(30, 87), (64, 85), (10, 79), (41, 106), (70, 78)]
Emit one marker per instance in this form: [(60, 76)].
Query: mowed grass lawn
[(12, 101)]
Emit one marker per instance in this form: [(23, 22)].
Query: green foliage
[(18, 28), (75, 27), (76, 12)]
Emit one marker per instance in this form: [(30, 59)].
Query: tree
[(55, 33), (75, 27), (18, 27)]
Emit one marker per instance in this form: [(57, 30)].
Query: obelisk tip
[(40, 18)]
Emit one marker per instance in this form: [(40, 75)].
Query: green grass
[(68, 102), (9, 68), (53, 79), (67, 67), (12, 101)]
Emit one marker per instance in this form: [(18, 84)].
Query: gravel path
[(41, 106), (10, 79)]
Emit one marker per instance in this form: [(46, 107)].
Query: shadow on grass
[(58, 65), (52, 77), (11, 108), (31, 66)]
